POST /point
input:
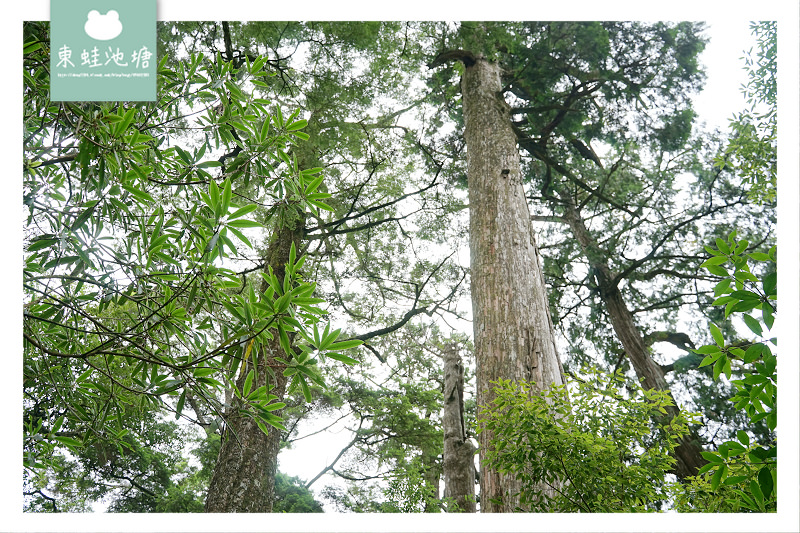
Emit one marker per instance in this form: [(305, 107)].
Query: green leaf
[(712, 457), (717, 260), (722, 287), (306, 390), (82, 218), (718, 476), (226, 195), (31, 47), (755, 490), (753, 352), (734, 480), (720, 365), (753, 324), (345, 345), (41, 242), (341, 357), (127, 120), (745, 295), (717, 270), (138, 193), (273, 406), (244, 223), (717, 334), (299, 125), (242, 211), (213, 194), (765, 481), (183, 155), (770, 284), (248, 383), (70, 442), (57, 424), (758, 256), (767, 315), (179, 407), (723, 247)]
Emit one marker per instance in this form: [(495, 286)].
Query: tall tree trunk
[(459, 460), (513, 331), (244, 476), (687, 453)]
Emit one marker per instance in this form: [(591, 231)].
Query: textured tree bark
[(244, 476), (459, 452), (513, 330), (687, 453)]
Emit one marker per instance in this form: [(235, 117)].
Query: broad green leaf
[(720, 365), (722, 287), (753, 352), (743, 437), (734, 480), (717, 270), (753, 324), (767, 315), (765, 481), (745, 295), (717, 335), (300, 124), (718, 476), (770, 284), (717, 260)]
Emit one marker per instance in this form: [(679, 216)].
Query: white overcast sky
[(730, 36)]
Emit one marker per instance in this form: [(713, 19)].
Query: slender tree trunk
[(459, 452), (687, 453), (244, 476), (513, 331)]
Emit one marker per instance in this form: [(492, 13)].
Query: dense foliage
[(597, 445)]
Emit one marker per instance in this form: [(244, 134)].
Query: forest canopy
[(482, 266)]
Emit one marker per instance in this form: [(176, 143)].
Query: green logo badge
[(103, 50)]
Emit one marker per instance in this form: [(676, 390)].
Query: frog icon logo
[(103, 27)]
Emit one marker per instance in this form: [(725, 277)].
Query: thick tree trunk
[(687, 454), (513, 331), (459, 460), (244, 476)]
